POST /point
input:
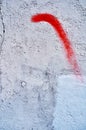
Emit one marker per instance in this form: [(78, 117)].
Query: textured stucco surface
[(32, 63)]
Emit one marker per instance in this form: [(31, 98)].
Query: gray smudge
[(2, 35)]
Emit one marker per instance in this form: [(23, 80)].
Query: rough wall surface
[(35, 90)]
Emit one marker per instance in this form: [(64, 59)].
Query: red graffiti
[(70, 54)]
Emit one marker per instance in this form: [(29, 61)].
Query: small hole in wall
[(23, 84)]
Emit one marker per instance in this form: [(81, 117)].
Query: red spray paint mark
[(70, 54)]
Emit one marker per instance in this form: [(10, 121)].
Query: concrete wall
[(32, 60)]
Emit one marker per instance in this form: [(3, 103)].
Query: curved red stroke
[(63, 36)]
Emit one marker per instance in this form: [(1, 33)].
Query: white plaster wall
[(32, 66)]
